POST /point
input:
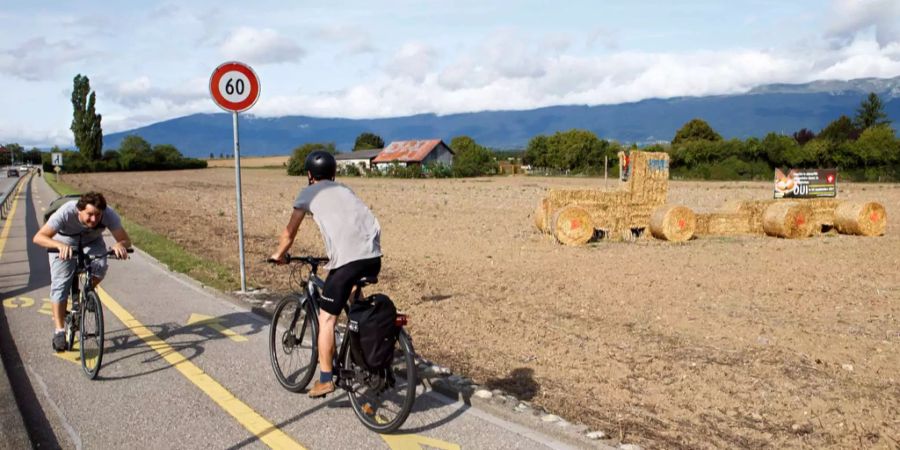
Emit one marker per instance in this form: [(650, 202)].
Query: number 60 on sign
[(234, 86)]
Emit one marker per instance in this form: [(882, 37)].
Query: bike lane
[(187, 367)]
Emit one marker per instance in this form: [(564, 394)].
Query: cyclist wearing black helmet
[(352, 242)]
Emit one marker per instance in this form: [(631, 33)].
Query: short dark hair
[(91, 198)]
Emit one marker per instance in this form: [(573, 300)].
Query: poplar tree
[(85, 120)]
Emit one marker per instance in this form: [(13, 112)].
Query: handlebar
[(109, 252), (310, 260)]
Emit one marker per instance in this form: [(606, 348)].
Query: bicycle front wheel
[(383, 399), (292, 343), (90, 334)]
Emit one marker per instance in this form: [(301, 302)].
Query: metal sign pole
[(240, 209)]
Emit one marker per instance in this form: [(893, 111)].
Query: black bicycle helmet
[(321, 165)]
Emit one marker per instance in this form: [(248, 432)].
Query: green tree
[(85, 120), (298, 156), (876, 146), (696, 129), (471, 159), (577, 150), (33, 156), (14, 153), (135, 153), (803, 136), (870, 113), (368, 141), (537, 152), (781, 150), (841, 129), (167, 154)]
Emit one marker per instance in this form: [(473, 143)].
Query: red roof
[(407, 151)]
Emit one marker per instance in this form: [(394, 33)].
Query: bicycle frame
[(314, 287)]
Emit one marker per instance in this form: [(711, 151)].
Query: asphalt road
[(165, 383)]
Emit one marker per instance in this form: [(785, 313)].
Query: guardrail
[(9, 195)]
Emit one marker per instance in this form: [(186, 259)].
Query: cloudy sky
[(151, 61)]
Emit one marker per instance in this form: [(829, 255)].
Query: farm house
[(361, 158), (421, 152)]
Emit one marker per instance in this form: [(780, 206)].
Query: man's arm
[(123, 243), (44, 238), (290, 232)]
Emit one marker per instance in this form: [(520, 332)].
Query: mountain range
[(782, 108)]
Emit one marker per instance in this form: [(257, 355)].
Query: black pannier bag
[(373, 330)]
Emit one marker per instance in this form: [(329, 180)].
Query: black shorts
[(340, 282)]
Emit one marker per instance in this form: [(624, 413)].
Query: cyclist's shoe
[(90, 306), (59, 341), (321, 389)]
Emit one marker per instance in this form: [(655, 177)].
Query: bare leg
[(59, 314), (326, 340)]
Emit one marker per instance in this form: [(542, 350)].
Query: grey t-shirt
[(350, 230), (69, 228)]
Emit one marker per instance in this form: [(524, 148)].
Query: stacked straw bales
[(574, 216), (615, 213), (818, 215)]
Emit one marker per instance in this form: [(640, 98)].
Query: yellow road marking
[(11, 302), (416, 442), (246, 416), (47, 307), (215, 324), (12, 212)]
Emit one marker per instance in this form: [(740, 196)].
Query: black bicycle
[(381, 398), (86, 316)]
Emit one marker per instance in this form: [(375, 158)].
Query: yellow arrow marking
[(416, 442), (47, 307), (25, 302), (214, 323), (246, 416)]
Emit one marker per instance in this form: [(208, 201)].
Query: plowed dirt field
[(737, 342)]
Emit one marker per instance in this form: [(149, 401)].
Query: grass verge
[(168, 252)]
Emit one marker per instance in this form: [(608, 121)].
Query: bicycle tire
[(293, 349), (90, 334), (361, 394)]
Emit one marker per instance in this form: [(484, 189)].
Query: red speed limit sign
[(234, 86)]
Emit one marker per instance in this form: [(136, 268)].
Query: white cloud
[(412, 61), (260, 46), (849, 17), (37, 59)]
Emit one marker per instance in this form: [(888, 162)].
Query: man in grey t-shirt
[(352, 241), (78, 223)]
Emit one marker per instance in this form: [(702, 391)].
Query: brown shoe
[(321, 389)]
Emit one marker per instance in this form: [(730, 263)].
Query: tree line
[(862, 148), (134, 153)]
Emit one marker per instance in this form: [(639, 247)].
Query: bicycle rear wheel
[(90, 334), (292, 343), (382, 399)]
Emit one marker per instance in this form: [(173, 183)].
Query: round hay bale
[(860, 218), (673, 223), (542, 215), (788, 220), (572, 226)]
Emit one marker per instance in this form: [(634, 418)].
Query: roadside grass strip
[(246, 416)]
